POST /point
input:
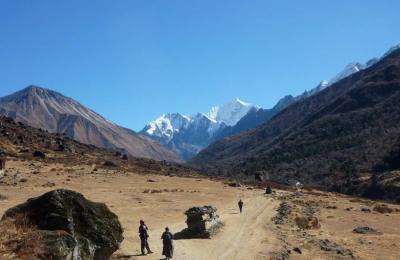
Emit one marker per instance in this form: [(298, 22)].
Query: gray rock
[(70, 226), (332, 247), (202, 222), (365, 230)]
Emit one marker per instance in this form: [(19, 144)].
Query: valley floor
[(161, 201)]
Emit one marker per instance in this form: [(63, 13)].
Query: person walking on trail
[(299, 186), (168, 247), (240, 204), (143, 234)]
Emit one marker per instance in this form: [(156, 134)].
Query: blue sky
[(134, 60)]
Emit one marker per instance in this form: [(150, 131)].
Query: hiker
[(240, 204), (299, 186), (143, 238), (168, 247)]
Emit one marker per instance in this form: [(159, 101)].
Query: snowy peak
[(228, 114), (166, 125), (351, 68), (354, 67), (187, 135), (231, 112)]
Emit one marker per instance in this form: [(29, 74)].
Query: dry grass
[(18, 239)]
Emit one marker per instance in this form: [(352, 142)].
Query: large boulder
[(202, 222), (69, 226)]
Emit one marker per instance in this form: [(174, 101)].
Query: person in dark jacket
[(240, 204), (144, 237), (168, 247)]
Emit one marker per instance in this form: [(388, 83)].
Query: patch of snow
[(350, 69), (231, 112)]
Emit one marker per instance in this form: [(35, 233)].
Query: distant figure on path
[(240, 204), (168, 247), (299, 186), (143, 238)]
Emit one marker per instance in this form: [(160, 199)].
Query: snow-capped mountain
[(351, 68), (231, 112), (50, 110), (256, 117), (180, 133), (187, 135), (166, 125), (354, 67)]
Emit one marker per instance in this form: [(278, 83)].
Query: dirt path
[(244, 236)]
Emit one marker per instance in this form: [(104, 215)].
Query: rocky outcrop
[(333, 248), (202, 222), (283, 213), (68, 226)]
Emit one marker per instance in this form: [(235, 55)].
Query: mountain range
[(188, 135), (172, 136), (56, 113), (345, 137)]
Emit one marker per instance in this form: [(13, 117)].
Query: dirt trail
[(244, 236)]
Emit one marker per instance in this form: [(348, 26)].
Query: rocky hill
[(28, 143), (345, 137), (258, 116), (47, 109)]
